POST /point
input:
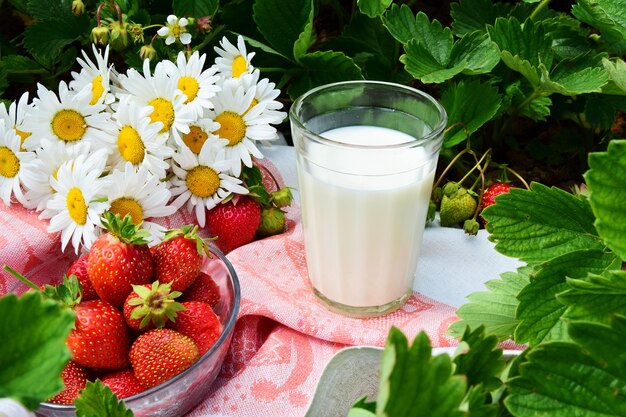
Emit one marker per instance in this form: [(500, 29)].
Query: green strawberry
[(457, 205), (272, 222)]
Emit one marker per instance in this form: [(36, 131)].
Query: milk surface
[(363, 231)]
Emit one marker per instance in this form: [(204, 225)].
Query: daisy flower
[(49, 160), (233, 60), (68, 118), (15, 117), (197, 84), (138, 140), (95, 75), (265, 93), (202, 181), (142, 195), (15, 165), (175, 28), (77, 201), (200, 132), (161, 93), (241, 123)]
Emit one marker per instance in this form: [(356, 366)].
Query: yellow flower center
[(9, 163), (203, 181), (130, 145), (76, 206), (232, 127), (175, 30), (97, 89), (69, 125), (189, 86), (163, 112), (124, 206), (239, 66), (23, 136), (195, 138)]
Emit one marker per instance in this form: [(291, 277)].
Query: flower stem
[(540, 6)]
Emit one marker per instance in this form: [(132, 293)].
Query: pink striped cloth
[(283, 338)]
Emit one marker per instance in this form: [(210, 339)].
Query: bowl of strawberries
[(153, 324)]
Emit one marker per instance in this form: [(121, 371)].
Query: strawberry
[(118, 259), (123, 383), (79, 269), (234, 223), (74, 378), (272, 222), (203, 289), (151, 305), (494, 190), (178, 258), (160, 354), (100, 337), (200, 323), (457, 205)]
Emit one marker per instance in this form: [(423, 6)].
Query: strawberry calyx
[(190, 231), (124, 229), (155, 304), (69, 293)]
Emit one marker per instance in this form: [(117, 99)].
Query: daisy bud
[(100, 35), (282, 197), (78, 7), (272, 222), (136, 31), (119, 36), (148, 52), (204, 24)]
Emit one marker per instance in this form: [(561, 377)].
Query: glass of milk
[(366, 158)]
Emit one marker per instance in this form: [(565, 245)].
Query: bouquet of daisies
[(140, 143)]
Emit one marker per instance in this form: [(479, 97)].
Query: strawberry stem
[(22, 278)]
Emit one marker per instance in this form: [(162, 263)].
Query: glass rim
[(431, 136)]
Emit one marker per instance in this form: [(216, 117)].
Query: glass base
[(363, 312)]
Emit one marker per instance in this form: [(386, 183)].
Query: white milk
[(363, 232)]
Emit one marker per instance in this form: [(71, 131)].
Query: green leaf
[(413, 381), (97, 400), (50, 9), (471, 15), (401, 23), (195, 8), (304, 41), (596, 297), (45, 39), (323, 67), (470, 104), (33, 351), (539, 224), (483, 362), (282, 22), (569, 40), (561, 379), (606, 179), (419, 61), (616, 70), (583, 74), (600, 109), (540, 312), (608, 16), (493, 309), (373, 8), (477, 52), (19, 64), (525, 49)]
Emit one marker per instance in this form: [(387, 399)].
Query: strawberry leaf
[(527, 224), (471, 15), (539, 311), (97, 400), (608, 17), (401, 23), (596, 297), (493, 309), (33, 351), (483, 362), (562, 379), (469, 105), (582, 74), (373, 8), (606, 179), (617, 75)]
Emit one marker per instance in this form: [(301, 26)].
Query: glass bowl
[(177, 396)]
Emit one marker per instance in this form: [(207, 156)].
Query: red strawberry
[(79, 268), (100, 338), (179, 257), (151, 305), (123, 383), (200, 323), (234, 223), (203, 289), (74, 378), (490, 195), (161, 354), (118, 259)]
